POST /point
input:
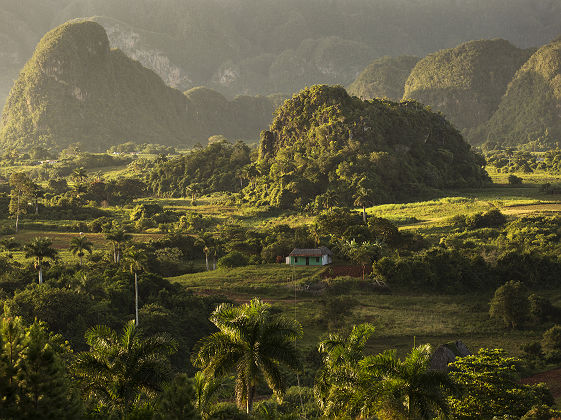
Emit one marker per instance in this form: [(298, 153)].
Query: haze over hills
[(466, 83), (265, 46), (76, 89), (384, 78), (530, 108)]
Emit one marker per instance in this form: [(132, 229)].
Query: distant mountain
[(326, 145), (383, 78), (465, 83), (75, 88), (265, 46), (530, 109)]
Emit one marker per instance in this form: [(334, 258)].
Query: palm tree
[(341, 376), (118, 369), (208, 244), (329, 199), (79, 174), (253, 343), (351, 385), (39, 249), (80, 245), (206, 393), (136, 260), (363, 198), (117, 237), (409, 389)]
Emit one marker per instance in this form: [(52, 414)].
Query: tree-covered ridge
[(529, 109), (383, 78), (466, 83), (324, 142), (75, 88)]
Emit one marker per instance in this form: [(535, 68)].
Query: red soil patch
[(345, 270), (552, 378)]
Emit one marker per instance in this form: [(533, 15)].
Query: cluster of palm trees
[(255, 345), (134, 259), (383, 386)]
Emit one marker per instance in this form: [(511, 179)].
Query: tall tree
[(36, 193), (341, 375), (119, 369), (80, 245), (252, 342), (363, 253), (136, 261), (408, 388), (79, 175), (40, 249), (118, 238), (21, 192)]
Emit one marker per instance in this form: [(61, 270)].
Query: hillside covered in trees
[(466, 83), (265, 46), (530, 108), (383, 78), (326, 145), (490, 90), (76, 89)]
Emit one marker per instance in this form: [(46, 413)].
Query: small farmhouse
[(315, 256)]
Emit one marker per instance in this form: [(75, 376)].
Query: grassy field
[(400, 318)]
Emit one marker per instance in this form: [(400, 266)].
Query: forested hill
[(76, 89), (265, 46), (467, 82), (325, 145), (530, 108), (384, 78)]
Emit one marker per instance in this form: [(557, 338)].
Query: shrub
[(491, 218), (541, 412), (552, 338), (514, 180), (233, 259), (335, 309), (533, 350), (510, 303), (541, 308)]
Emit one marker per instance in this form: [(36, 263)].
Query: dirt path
[(552, 378)]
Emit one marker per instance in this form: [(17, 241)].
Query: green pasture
[(400, 317)]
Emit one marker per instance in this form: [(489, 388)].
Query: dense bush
[(510, 304), (233, 259)]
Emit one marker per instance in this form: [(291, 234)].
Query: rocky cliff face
[(134, 44)]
